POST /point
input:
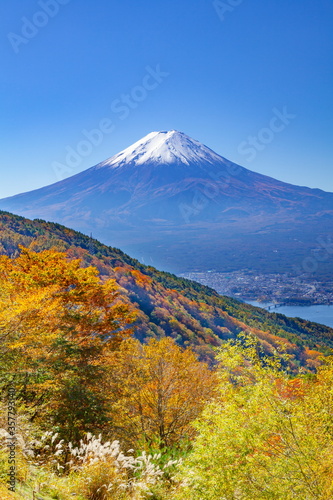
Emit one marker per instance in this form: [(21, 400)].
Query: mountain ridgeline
[(173, 202), (193, 314)]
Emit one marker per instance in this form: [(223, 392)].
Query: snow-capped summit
[(164, 148), (171, 199)]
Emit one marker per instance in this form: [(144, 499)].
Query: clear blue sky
[(227, 73)]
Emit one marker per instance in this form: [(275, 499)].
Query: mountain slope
[(172, 201), (189, 312)]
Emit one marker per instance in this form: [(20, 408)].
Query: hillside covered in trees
[(192, 314), (122, 382)]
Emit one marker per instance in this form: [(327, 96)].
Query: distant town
[(273, 288)]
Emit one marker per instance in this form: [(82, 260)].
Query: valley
[(285, 288)]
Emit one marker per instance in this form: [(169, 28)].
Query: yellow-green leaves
[(265, 437)]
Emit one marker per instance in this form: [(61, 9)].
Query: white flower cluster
[(92, 450), (134, 473)]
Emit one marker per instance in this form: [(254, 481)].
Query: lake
[(318, 314)]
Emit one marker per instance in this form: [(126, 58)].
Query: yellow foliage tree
[(266, 436), (159, 388)]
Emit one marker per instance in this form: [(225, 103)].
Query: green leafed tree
[(266, 436)]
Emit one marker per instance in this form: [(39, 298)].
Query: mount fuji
[(171, 201)]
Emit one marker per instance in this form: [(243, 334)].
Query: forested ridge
[(193, 314), (121, 382)]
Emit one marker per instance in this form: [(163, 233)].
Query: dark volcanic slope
[(174, 201)]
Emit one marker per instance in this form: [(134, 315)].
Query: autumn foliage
[(58, 321), (159, 390), (92, 355), (266, 436), (193, 315), (66, 342)]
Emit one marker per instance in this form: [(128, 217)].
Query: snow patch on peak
[(164, 148)]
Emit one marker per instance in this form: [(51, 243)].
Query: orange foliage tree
[(159, 388), (57, 323)]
